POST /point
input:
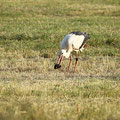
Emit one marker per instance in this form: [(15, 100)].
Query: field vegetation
[(30, 36)]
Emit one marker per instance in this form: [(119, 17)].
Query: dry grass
[(87, 66), (31, 89)]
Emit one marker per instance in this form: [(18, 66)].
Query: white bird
[(74, 41)]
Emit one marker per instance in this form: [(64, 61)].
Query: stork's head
[(64, 53)]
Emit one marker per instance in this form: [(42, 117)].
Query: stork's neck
[(67, 54)]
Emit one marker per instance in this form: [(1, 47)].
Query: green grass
[(30, 36), (31, 25)]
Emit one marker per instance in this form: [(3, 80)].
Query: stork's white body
[(74, 41), (71, 42)]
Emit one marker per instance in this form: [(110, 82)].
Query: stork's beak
[(59, 61)]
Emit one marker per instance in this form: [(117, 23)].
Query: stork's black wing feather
[(87, 36), (76, 33), (81, 33)]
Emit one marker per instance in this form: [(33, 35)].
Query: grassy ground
[(30, 35)]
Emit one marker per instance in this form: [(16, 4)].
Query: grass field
[(30, 36)]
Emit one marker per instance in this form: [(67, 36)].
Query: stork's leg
[(76, 61), (71, 58)]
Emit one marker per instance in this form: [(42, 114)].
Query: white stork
[(74, 41)]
